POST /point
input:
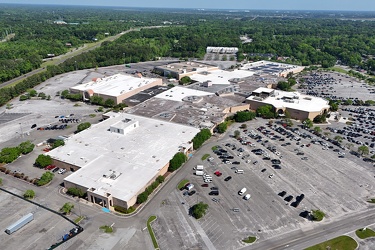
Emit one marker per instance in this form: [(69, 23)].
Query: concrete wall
[(65, 165)]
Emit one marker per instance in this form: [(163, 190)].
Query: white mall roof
[(115, 85), (221, 76), (179, 93), (293, 100), (135, 157)]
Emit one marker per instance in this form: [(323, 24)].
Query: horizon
[(286, 5)]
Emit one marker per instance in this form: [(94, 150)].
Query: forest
[(300, 38)]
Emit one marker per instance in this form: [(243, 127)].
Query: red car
[(50, 167), (218, 173)]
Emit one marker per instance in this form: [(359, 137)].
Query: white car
[(270, 176), (207, 180), (247, 197), (61, 171), (242, 191)]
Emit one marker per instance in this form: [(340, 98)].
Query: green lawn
[(250, 239), (151, 232), (182, 184), (371, 200), (204, 157), (214, 148), (364, 234), (339, 243), (78, 220), (340, 70)]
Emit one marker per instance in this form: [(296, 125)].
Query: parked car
[(228, 178), (55, 170)]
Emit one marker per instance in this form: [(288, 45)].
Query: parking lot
[(45, 230), (316, 174)]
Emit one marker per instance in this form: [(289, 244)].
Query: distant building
[(299, 106), (181, 69), (117, 87), (222, 50), (272, 68)]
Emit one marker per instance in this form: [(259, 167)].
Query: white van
[(246, 197), (242, 191), (239, 171)]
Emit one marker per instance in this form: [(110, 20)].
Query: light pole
[(21, 129)]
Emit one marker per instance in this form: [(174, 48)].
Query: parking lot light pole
[(21, 129)]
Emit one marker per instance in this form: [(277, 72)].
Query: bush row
[(124, 210), (142, 197)]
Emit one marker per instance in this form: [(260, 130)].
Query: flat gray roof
[(293, 100), (135, 157), (114, 85)]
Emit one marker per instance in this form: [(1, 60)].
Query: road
[(61, 58), (321, 232)]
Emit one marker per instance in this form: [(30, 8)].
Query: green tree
[(338, 138), (64, 93), (284, 86), (67, 208), (160, 179), (58, 143), (142, 197), (288, 122), (370, 102), (201, 137), (308, 123), (109, 103), (348, 102), (243, 126), (222, 127), (199, 210), (317, 130), (45, 179), (320, 118), (83, 126), (97, 100), (29, 194), (33, 93), (317, 215), (26, 147), (8, 155), (185, 80), (334, 106), (176, 162), (266, 112), (244, 116), (237, 134), (363, 150), (43, 161)]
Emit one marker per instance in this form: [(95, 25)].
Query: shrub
[(317, 215), (8, 155), (45, 179), (76, 192), (26, 147), (160, 179), (3, 169), (29, 194), (142, 197), (83, 126), (124, 210)]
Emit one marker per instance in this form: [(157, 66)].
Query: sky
[(355, 5)]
